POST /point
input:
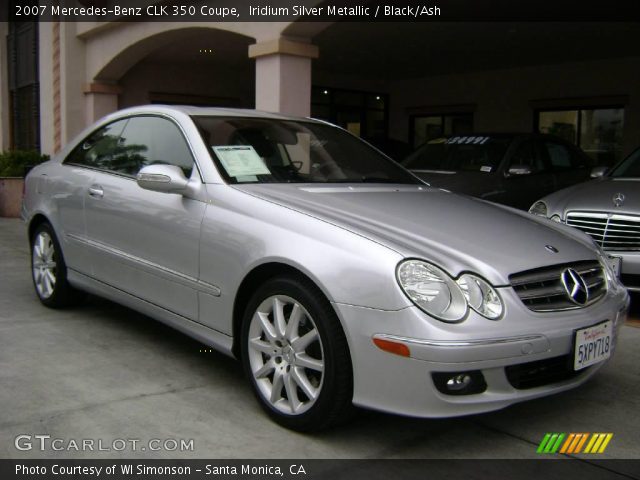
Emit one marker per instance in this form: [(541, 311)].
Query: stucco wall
[(503, 98)]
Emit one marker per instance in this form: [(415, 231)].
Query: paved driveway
[(102, 371)]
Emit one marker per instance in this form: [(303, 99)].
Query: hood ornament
[(618, 199), (551, 248)]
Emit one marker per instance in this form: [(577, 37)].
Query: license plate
[(593, 345), (616, 264)]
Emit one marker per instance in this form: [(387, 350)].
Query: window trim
[(127, 118)]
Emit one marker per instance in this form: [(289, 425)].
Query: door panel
[(145, 243), (142, 242), (79, 172), (70, 198)]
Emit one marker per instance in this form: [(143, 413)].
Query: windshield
[(629, 167), (256, 150), (471, 154)]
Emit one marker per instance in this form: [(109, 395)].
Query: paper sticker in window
[(241, 160)]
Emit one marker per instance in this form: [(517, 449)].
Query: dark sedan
[(512, 169)]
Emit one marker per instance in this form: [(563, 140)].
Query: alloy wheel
[(44, 265), (286, 356)]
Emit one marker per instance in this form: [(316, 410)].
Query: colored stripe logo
[(574, 443)]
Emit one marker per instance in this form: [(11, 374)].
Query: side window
[(559, 156), (97, 150), (525, 156), (151, 141)]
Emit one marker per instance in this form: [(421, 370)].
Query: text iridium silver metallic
[(608, 209), (421, 282)]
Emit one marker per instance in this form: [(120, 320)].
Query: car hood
[(458, 233), (597, 195), (470, 183)]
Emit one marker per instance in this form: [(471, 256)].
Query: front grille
[(541, 372), (610, 231), (542, 290)]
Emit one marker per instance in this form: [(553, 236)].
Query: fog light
[(459, 383)]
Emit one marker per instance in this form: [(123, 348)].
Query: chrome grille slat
[(615, 232), (553, 291), (541, 289)]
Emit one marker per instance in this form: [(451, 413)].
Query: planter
[(11, 196)]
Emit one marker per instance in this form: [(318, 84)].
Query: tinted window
[(525, 156), (255, 150), (97, 149), (630, 167), (561, 157), (478, 154), (151, 141)]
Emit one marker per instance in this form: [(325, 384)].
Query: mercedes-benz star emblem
[(551, 248), (618, 199), (575, 286)]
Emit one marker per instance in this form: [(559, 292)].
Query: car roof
[(208, 112)]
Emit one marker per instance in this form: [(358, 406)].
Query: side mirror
[(598, 172), (520, 170), (162, 178)]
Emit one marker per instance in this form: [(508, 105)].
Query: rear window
[(470, 153)]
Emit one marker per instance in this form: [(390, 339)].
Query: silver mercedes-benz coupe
[(335, 275), (608, 209)]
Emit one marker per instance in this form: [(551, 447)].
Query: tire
[(303, 380), (49, 272)]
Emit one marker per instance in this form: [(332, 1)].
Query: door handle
[(96, 191)]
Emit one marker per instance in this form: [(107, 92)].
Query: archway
[(187, 65)]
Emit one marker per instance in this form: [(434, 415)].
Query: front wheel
[(296, 356)]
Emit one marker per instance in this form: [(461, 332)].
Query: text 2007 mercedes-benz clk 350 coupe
[(335, 275)]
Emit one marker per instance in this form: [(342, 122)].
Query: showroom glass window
[(428, 127), (365, 114), (597, 131), (127, 145)]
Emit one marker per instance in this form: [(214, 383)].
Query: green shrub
[(15, 163)]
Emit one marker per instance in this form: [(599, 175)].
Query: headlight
[(539, 208), (556, 218), (481, 296), (432, 290), (612, 278)]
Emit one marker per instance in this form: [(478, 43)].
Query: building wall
[(505, 100)]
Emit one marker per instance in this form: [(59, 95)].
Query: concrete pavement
[(101, 371)]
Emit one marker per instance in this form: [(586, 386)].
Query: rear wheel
[(49, 271), (296, 356)]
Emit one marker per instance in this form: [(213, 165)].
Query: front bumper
[(404, 385)]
